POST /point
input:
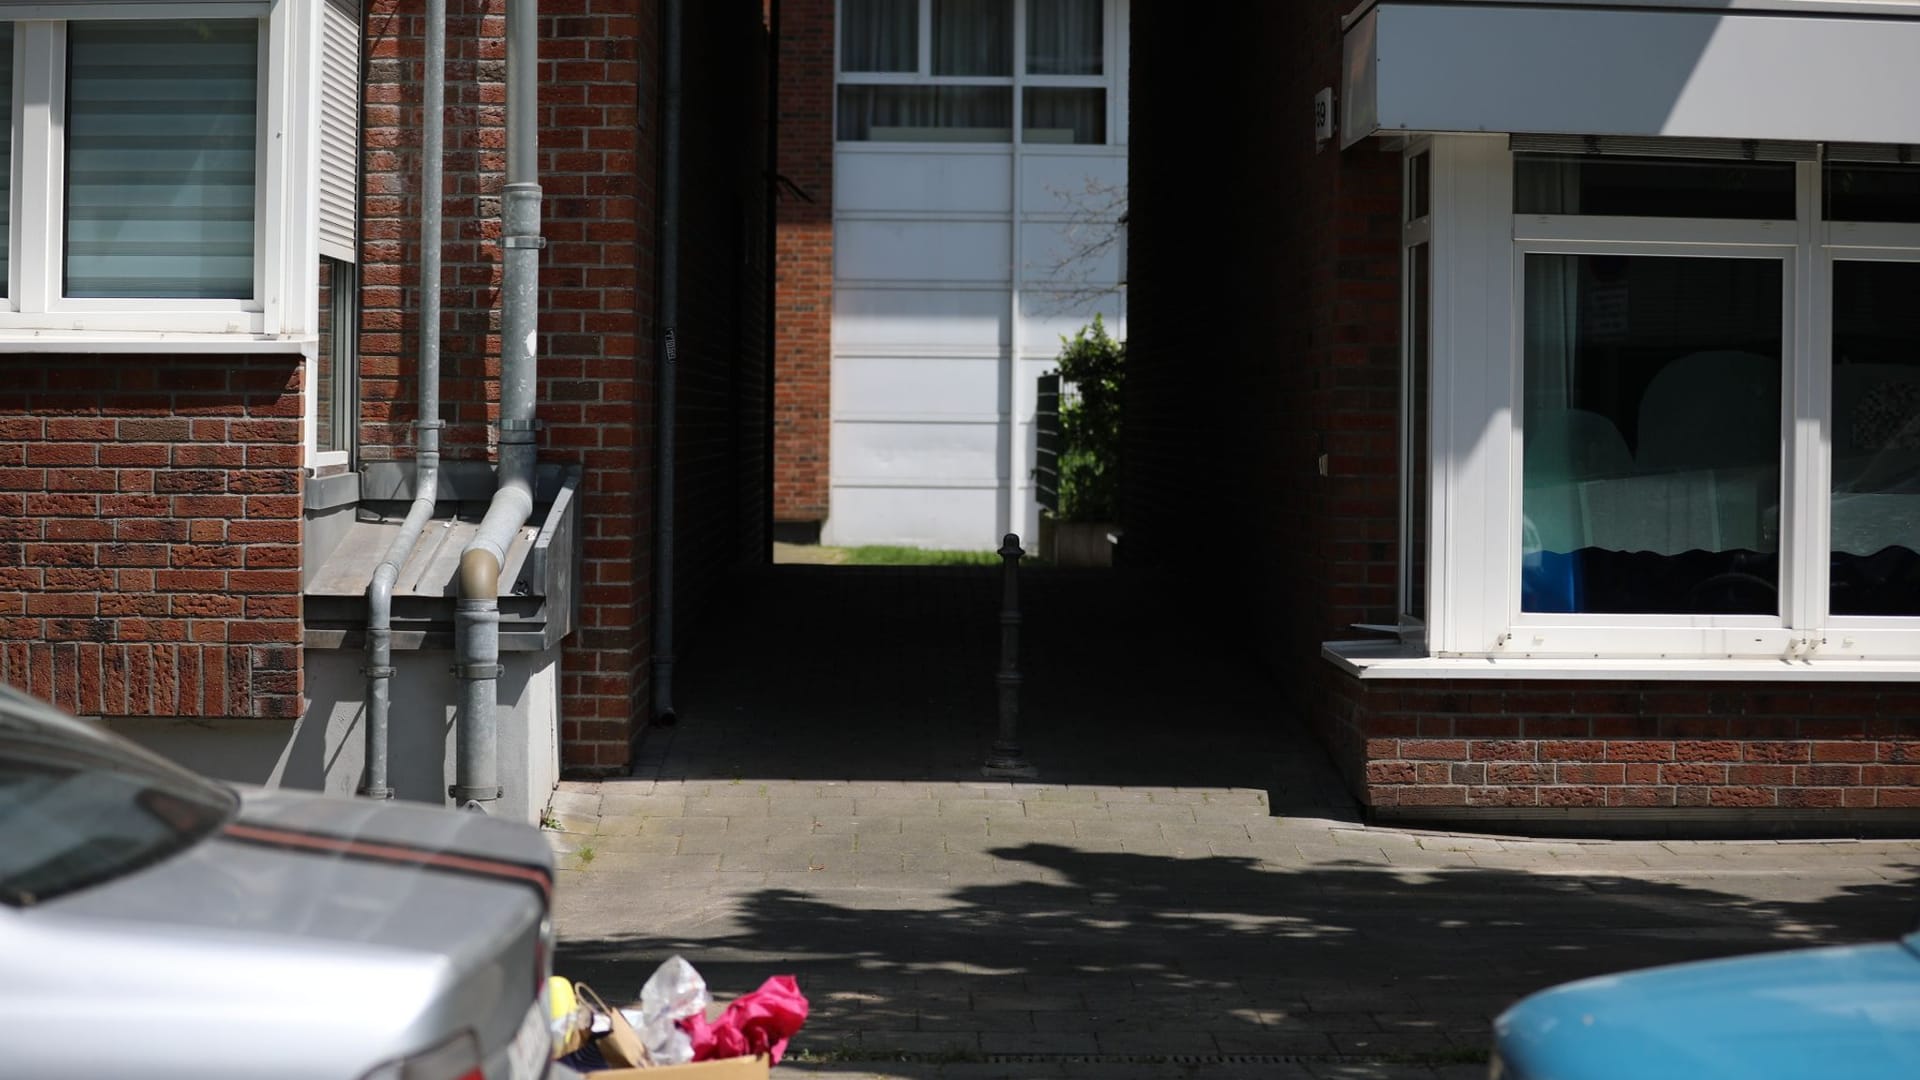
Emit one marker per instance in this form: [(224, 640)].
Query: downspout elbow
[(479, 573)]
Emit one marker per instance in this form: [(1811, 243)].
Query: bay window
[(963, 71), (1661, 401), (161, 176)]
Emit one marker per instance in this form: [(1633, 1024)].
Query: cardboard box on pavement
[(740, 1068)]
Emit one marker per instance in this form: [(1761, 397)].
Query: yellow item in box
[(739, 1068), (560, 997)]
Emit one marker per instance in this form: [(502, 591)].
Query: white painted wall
[(326, 749), (949, 302)]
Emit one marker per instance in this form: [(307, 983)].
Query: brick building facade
[(1289, 450), (803, 267), (152, 537)]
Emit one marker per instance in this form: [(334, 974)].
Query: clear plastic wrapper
[(675, 992)]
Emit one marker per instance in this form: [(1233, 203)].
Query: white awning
[(1795, 71)]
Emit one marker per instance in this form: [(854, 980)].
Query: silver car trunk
[(311, 937)]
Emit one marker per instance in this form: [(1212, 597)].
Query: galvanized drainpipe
[(665, 426), (476, 618), (426, 456)]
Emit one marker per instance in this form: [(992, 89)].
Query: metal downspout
[(426, 457), (669, 389), (477, 612)]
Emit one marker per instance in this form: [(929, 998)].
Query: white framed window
[(333, 385), (977, 71), (335, 367), (162, 176), (1675, 401)]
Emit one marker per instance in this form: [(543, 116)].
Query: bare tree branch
[(1095, 228)]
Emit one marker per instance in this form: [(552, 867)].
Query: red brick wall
[(1641, 744), (150, 525), (599, 165), (597, 105), (803, 276)]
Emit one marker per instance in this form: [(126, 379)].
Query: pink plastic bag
[(754, 1024)]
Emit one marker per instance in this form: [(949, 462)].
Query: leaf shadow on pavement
[(1066, 951)]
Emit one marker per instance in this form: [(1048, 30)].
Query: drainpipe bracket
[(537, 243), (435, 424), (379, 672), (522, 425), (478, 671)]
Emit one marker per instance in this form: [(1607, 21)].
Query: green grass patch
[(891, 555)]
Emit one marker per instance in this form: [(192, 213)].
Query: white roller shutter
[(340, 130)]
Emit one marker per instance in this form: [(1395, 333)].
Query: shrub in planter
[(1092, 368)]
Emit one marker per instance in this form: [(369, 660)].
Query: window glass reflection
[(1876, 439), (1653, 187), (1652, 435)]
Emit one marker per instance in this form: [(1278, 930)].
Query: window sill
[(1392, 660), (120, 341), (330, 491)]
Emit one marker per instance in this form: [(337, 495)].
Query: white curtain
[(880, 35), (1552, 318), (926, 113), (1064, 37), (973, 37), (1064, 115)]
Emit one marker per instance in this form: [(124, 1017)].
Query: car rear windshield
[(77, 809)]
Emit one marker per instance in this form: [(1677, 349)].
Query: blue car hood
[(1851, 1011)]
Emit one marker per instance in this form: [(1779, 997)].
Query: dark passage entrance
[(887, 673)]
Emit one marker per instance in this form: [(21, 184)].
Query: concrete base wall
[(325, 750)]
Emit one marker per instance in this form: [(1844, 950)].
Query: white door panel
[(1070, 255), (922, 183), (922, 386), (1071, 183), (929, 453), (934, 319), (963, 519), (956, 251)]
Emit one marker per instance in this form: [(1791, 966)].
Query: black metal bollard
[(1005, 759)]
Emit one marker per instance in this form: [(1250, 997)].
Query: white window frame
[(345, 341), (1416, 232), (1113, 31), (1477, 256), (281, 314)]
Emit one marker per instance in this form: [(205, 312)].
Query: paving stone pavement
[(1183, 891)]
